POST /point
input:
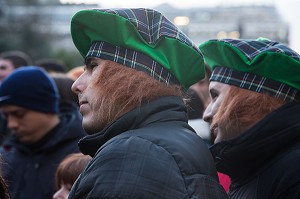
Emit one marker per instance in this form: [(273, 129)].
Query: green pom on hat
[(144, 31)]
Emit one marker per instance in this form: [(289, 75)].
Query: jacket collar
[(160, 110), (254, 149)]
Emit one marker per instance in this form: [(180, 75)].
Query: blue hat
[(32, 88)]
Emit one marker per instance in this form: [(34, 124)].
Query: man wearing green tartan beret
[(130, 95), (254, 116)]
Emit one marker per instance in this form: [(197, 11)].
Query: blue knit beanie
[(32, 88)]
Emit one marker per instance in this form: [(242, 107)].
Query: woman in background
[(67, 172)]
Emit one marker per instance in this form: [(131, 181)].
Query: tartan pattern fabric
[(132, 59), (152, 25), (252, 48), (255, 83)]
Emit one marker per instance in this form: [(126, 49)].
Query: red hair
[(124, 89), (70, 168), (243, 108)]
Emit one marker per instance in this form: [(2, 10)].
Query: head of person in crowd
[(75, 72), (144, 55), (137, 64), (30, 100), (195, 110), (10, 60), (51, 65), (64, 84), (43, 132), (254, 115), (67, 172), (254, 76), (198, 101), (202, 88)]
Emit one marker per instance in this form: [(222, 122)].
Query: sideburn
[(123, 89)]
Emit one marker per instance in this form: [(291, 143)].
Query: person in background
[(75, 72), (9, 61), (42, 135), (130, 97), (202, 88), (254, 116), (52, 65), (64, 84), (67, 172), (199, 100)]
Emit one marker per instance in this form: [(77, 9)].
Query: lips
[(82, 102)]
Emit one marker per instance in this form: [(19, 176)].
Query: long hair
[(125, 89), (243, 108)]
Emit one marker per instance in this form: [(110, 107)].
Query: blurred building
[(247, 21), (200, 24)]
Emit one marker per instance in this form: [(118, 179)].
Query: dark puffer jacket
[(150, 152), (264, 162), (29, 169)]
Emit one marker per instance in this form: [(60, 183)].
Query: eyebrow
[(88, 60)]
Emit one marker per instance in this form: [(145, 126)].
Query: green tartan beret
[(139, 38), (259, 65)]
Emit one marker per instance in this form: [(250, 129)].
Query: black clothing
[(29, 170), (263, 162), (150, 152)]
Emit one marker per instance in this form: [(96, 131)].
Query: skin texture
[(6, 67), (107, 90), (218, 92), (63, 192), (92, 88), (233, 110), (28, 125)]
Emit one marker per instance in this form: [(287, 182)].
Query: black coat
[(150, 152), (29, 169), (264, 162)]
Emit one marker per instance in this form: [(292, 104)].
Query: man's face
[(95, 89), (27, 125), (218, 92), (6, 67)]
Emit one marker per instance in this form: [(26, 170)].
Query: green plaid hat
[(142, 39), (260, 65)]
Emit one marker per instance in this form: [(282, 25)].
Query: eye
[(91, 65), (214, 95), (19, 114)]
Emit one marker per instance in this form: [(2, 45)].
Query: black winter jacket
[(29, 169), (150, 152), (264, 162)]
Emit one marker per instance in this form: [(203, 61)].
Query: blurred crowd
[(150, 116)]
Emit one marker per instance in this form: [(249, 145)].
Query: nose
[(12, 123), (207, 115), (60, 194), (77, 86)]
